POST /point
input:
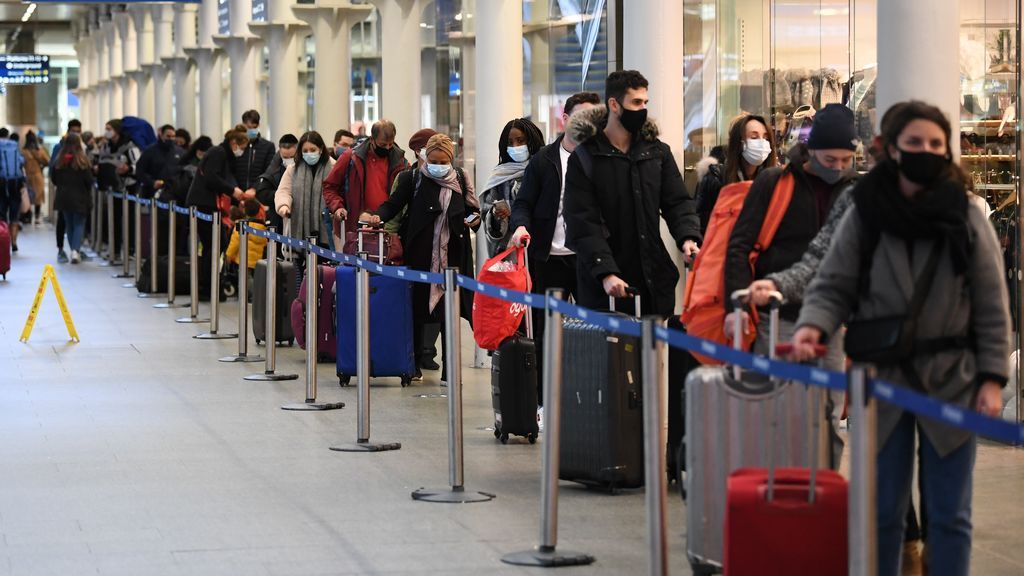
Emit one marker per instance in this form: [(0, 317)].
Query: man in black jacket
[(159, 164), (256, 157), (619, 182), (266, 185)]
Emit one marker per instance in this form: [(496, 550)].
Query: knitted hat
[(419, 139), (443, 143), (833, 129)]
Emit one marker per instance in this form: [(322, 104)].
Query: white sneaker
[(75, 257), (540, 419)]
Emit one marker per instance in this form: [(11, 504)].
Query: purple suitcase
[(327, 334)]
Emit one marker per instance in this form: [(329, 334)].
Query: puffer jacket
[(613, 205), (256, 245), (254, 161)]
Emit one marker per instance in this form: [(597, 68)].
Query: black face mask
[(633, 120), (922, 168), (166, 144), (380, 151)]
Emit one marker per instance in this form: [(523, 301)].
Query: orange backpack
[(704, 304)]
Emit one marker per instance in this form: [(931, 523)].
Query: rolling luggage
[(391, 349), (602, 442), (181, 272), (728, 420), (327, 334), (286, 282), (5, 249), (514, 385)]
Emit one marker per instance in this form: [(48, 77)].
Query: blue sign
[(24, 69), (259, 10), (224, 17)]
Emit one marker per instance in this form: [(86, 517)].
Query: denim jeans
[(75, 224), (946, 488)]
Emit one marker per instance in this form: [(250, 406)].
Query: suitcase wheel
[(532, 438), (344, 381), (497, 433), (504, 438), (258, 341), (406, 381)]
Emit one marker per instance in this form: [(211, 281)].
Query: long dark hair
[(314, 138), (734, 153), (534, 138), (73, 154), (902, 114), (31, 141), (202, 144)]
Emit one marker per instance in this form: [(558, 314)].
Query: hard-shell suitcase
[(728, 417), (514, 385), (602, 417), (180, 272), (327, 334), (286, 282), (5, 249), (391, 348)]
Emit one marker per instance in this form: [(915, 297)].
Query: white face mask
[(109, 134), (237, 152), (756, 151), (288, 162)]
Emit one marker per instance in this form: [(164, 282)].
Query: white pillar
[(130, 60), (907, 70), (400, 60), (647, 28), (163, 48), (208, 63), (144, 80), (243, 50), (332, 88), (115, 108), (181, 67), (281, 33), (499, 82)]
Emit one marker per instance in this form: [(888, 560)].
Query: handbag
[(393, 251), (495, 320), (891, 339)]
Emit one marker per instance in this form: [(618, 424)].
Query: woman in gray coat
[(912, 230)]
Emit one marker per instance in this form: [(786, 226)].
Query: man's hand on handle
[(614, 286), (690, 251)]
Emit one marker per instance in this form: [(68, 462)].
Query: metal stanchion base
[(313, 406), (152, 295), (107, 264), (170, 305), (368, 447), (127, 284), (240, 358), (270, 377), (547, 558), (214, 336), (122, 275), (451, 496), (191, 320)]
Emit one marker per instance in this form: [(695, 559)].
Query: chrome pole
[(125, 230), (243, 299), (270, 324), (111, 257), (863, 552), (655, 440), (172, 257), (137, 240), (214, 284), (193, 270)]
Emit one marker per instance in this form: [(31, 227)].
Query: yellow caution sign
[(51, 275)]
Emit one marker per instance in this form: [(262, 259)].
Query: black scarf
[(939, 212)]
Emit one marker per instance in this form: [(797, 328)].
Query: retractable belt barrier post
[(655, 388), (546, 553), (362, 443), (172, 255), (214, 284), (193, 270), (243, 299), (125, 230), (863, 553), (453, 358), (269, 374), (137, 240), (312, 335), (154, 232), (108, 201), (94, 230)]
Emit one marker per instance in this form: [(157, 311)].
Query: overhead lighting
[(28, 12)]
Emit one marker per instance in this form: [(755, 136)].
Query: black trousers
[(62, 230), (555, 272)]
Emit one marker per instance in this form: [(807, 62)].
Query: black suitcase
[(514, 388), (181, 272), (287, 286), (602, 431)]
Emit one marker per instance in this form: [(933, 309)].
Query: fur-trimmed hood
[(585, 124), (704, 166)]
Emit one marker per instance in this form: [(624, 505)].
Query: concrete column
[(208, 63), (181, 67), (144, 79), (332, 26), (400, 62), (163, 48), (243, 50), (648, 27), (115, 105), (499, 84), (281, 33), (130, 59), (906, 70)]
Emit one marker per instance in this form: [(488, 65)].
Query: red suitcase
[(5, 249), (788, 520)]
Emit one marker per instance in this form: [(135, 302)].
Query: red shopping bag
[(494, 319)]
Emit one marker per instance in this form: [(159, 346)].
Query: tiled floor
[(135, 453)]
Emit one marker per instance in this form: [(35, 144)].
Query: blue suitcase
[(391, 350)]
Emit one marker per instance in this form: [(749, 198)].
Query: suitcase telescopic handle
[(630, 291), (367, 228), (529, 311)]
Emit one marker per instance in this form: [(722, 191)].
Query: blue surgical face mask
[(438, 170), (519, 153), (311, 158), (253, 133)]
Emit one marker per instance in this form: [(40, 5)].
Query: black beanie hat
[(833, 128)]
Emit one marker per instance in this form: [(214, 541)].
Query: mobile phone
[(472, 218), (502, 203)]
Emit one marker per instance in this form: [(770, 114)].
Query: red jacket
[(344, 186)]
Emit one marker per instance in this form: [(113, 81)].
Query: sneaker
[(62, 257), (429, 364), (444, 383), (75, 257), (540, 418), (418, 376)]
